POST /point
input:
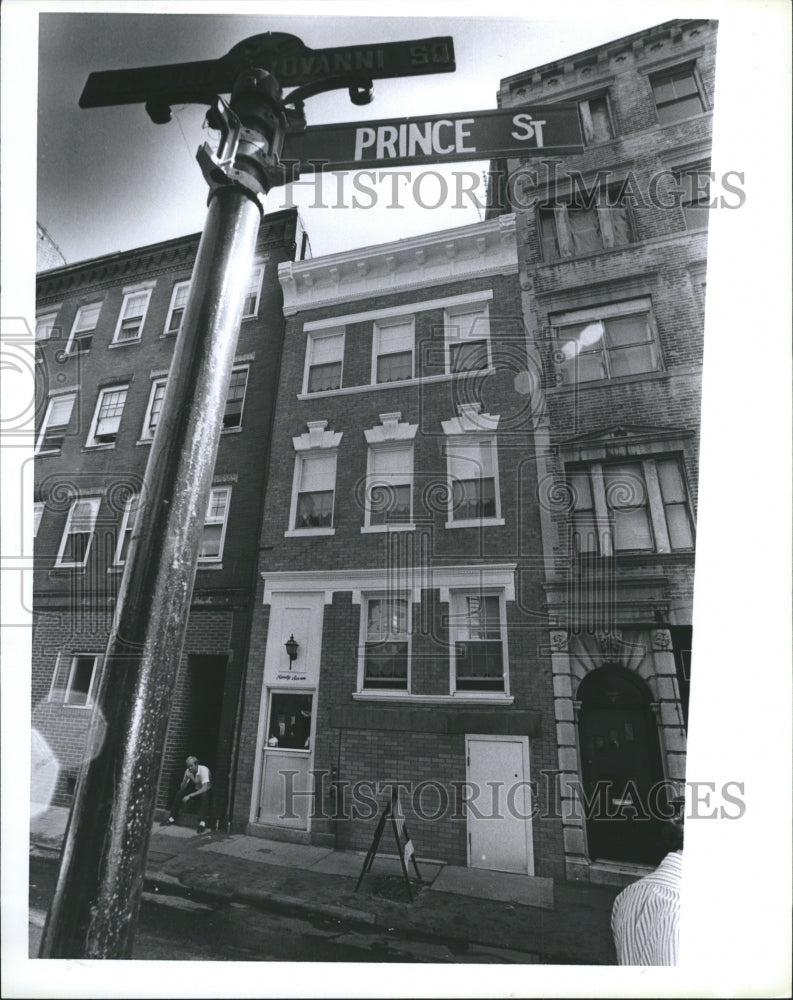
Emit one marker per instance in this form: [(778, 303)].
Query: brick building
[(105, 333)]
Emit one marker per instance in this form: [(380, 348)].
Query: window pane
[(394, 367), (696, 215), (290, 721), (314, 510), (624, 330), (672, 489), (468, 357), (318, 473), (601, 126), (395, 339), (76, 547), (156, 405), (633, 360), (386, 665), (83, 670), (620, 225), (325, 349), (584, 230), (624, 486), (324, 377), (678, 524), (632, 530), (386, 617), (473, 498), (389, 504), (87, 317), (548, 241), (585, 368), (135, 305), (210, 541), (680, 109)]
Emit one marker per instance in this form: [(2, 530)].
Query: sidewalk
[(563, 923)]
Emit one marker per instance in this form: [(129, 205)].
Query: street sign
[(534, 130), (284, 56)]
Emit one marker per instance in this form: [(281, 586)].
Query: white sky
[(111, 180)]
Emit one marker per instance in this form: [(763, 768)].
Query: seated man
[(196, 784)]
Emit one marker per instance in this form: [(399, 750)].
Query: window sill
[(479, 522), (231, 430), (472, 698), (144, 441), (209, 565), (308, 532), (380, 529), (167, 334), (123, 343), (44, 454), (616, 380), (98, 447), (376, 386)]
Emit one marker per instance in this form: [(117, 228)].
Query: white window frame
[(363, 639), (458, 444), (178, 286), (38, 513), (128, 521), (376, 480), (129, 294), (632, 307), (45, 324), (254, 284), (61, 695), (210, 520), (147, 432), (238, 426), (91, 441), (70, 343), (93, 503), (311, 341), (380, 327), (452, 337), (54, 400), (301, 460), (457, 618)]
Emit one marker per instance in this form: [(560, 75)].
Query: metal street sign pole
[(94, 909)]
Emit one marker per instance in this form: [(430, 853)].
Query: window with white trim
[(477, 632), (595, 118), (574, 229), (677, 94), (324, 361), (153, 408), (82, 332), (107, 417), (214, 536), (132, 316), (608, 342), (126, 528), (251, 304), (232, 415), (389, 485), (316, 478), (173, 320), (74, 679), (56, 420), (467, 335), (78, 533), (392, 350), (44, 325), (38, 511), (472, 468), (639, 506), (386, 628)]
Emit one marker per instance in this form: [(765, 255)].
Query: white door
[(499, 810)]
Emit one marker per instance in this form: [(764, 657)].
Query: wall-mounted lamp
[(291, 647)]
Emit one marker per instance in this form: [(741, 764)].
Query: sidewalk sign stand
[(406, 852)]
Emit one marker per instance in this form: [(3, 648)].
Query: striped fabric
[(645, 916)]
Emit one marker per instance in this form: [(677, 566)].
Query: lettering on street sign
[(469, 135), (285, 56)]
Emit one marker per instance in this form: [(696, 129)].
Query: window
[(38, 510), (154, 407), (386, 646), (393, 351), (132, 315), (44, 325), (76, 541), (232, 415), (571, 230), (606, 343), (82, 335), (251, 305), (211, 549), (73, 680), (109, 407), (595, 120), (324, 360), (630, 507), (473, 480), (316, 486), (289, 725), (56, 420), (126, 528), (467, 338), (478, 642), (389, 485), (676, 94), (173, 320), (694, 185)]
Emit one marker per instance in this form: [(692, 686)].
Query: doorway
[(286, 783)]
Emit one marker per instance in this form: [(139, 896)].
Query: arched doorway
[(620, 766)]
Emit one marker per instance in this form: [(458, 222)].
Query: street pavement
[(549, 923)]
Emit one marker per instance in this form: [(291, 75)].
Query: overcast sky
[(139, 183)]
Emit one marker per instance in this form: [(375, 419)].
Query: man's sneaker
[(171, 820), (202, 826)]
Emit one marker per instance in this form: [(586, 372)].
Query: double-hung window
[(693, 185), (472, 465), (154, 407), (315, 492), (577, 228), (324, 361), (132, 315), (639, 506), (251, 304), (56, 420), (232, 415), (677, 95), (74, 679), (107, 417), (393, 350), (78, 533), (390, 485), (478, 638), (45, 324), (82, 333), (173, 320), (126, 528), (606, 343), (214, 536), (386, 643), (467, 330)]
